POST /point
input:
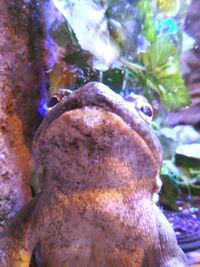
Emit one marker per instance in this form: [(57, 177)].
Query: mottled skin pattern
[(99, 164)]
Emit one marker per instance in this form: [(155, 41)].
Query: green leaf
[(160, 52), (117, 32), (87, 20), (179, 175), (159, 67), (169, 193), (146, 13), (134, 67), (73, 39), (63, 34)]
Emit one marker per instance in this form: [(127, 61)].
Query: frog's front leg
[(17, 241), (167, 249)]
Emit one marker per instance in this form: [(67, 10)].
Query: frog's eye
[(145, 110), (142, 106), (55, 99)]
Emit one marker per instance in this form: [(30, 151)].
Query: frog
[(98, 161)]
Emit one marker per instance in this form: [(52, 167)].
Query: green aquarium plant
[(143, 41), (157, 67)]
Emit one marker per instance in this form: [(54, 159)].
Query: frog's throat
[(98, 94)]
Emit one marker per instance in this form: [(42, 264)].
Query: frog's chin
[(96, 94), (95, 148)]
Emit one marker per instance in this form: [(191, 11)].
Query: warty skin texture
[(99, 164)]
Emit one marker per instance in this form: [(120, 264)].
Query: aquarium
[(55, 54)]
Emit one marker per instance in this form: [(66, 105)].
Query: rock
[(190, 62), (170, 138), (187, 115), (20, 81), (186, 134), (192, 22), (188, 155)]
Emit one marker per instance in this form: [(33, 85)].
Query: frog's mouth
[(99, 95)]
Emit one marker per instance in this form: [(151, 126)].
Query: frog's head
[(94, 138)]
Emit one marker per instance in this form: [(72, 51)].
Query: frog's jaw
[(99, 95), (91, 148)]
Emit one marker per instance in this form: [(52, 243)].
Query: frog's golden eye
[(145, 110), (142, 106), (53, 101), (56, 98)]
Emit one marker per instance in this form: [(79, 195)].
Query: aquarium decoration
[(167, 25)]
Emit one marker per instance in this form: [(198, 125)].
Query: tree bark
[(20, 81)]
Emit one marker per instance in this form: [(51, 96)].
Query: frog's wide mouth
[(99, 95)]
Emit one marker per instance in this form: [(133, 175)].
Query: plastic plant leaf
[(62, 34), (117, 31), (185, 179), (160, 53), (72, 35), (88, 21), (195, 172), (169, 193), (137, 68), (146, 13), (159, 69), (178, 174)]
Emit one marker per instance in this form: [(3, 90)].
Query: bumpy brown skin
[(99, 163)]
